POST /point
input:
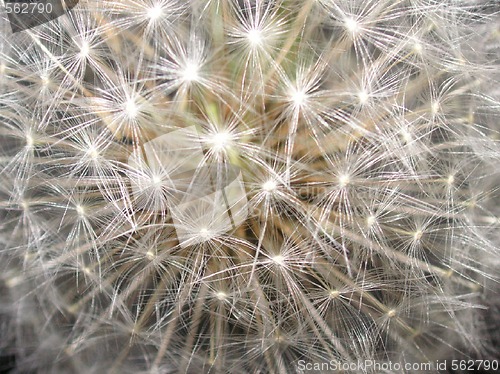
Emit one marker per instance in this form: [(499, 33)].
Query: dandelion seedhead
[(237, 186)]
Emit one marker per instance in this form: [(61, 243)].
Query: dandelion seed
[(25, 204), (299, 98), (221, 296), (435, 107), (254, 37), (29, 141), (418, 48), (278, 338), (363, 97), (80, 210), (352, 25), (156, 181), (278, 260), (344, 180), (371, 220), (93, 153), (84, 50), (155, 12), (191, 72), (45, 80), (334, 294), (269, 186), (131, 108), (418, 235), (205, 233), (407, 137), (221, 140)]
